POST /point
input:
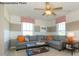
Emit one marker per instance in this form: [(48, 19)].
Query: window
[(27, 28), (61, 28)]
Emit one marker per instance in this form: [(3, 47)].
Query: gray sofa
[(14, 44), (57, 42), (29, 39)]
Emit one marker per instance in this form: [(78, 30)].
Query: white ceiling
[(28, 9)]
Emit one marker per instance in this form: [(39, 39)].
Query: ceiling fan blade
[(58, 8), (47, 3), (53, 13), (43, 14), (38, 9)]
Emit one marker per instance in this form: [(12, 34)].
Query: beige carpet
[(52, 52)]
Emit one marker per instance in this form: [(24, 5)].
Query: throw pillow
[(21, 39), (50, 37)]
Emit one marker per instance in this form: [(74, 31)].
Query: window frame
[(27, 30), (60, 30)]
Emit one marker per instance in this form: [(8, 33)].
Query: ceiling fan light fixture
[(48, 6), (48, 12), (49, 9)]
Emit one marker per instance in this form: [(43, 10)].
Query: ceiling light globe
[(48, 12)]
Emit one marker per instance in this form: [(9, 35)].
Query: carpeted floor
[(52, 52)]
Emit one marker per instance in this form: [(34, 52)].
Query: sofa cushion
[(55, 38), (28, 44), (27, 38), (40, 38), (20, 44), (58, 38), (33, 38), (55, 44)]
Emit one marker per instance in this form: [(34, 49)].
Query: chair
[(70, 42)]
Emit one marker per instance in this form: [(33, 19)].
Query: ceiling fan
[(49, 9)]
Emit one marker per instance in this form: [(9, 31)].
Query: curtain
[(60, 19), (27, 19)]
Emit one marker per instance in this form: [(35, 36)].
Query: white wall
[(4, 35), (44, 22), (71, 17), (1, 39), (4, 32), (15, 19), (1, 33)]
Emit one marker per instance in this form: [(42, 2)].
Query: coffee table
[(36, 49)]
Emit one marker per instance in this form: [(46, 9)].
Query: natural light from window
[(61, 28), (27, 28)]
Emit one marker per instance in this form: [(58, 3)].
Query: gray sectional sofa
[(56, 42)]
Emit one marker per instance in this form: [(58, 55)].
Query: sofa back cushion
[(33, 38), (59, 38), (39, 37)]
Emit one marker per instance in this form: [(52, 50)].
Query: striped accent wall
[(51, 29), (72, 26), (15, 30), (15, 27), (36, 28)]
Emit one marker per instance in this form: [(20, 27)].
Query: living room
[(26, 19)]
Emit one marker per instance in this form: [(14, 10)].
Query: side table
[(69, 47)]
